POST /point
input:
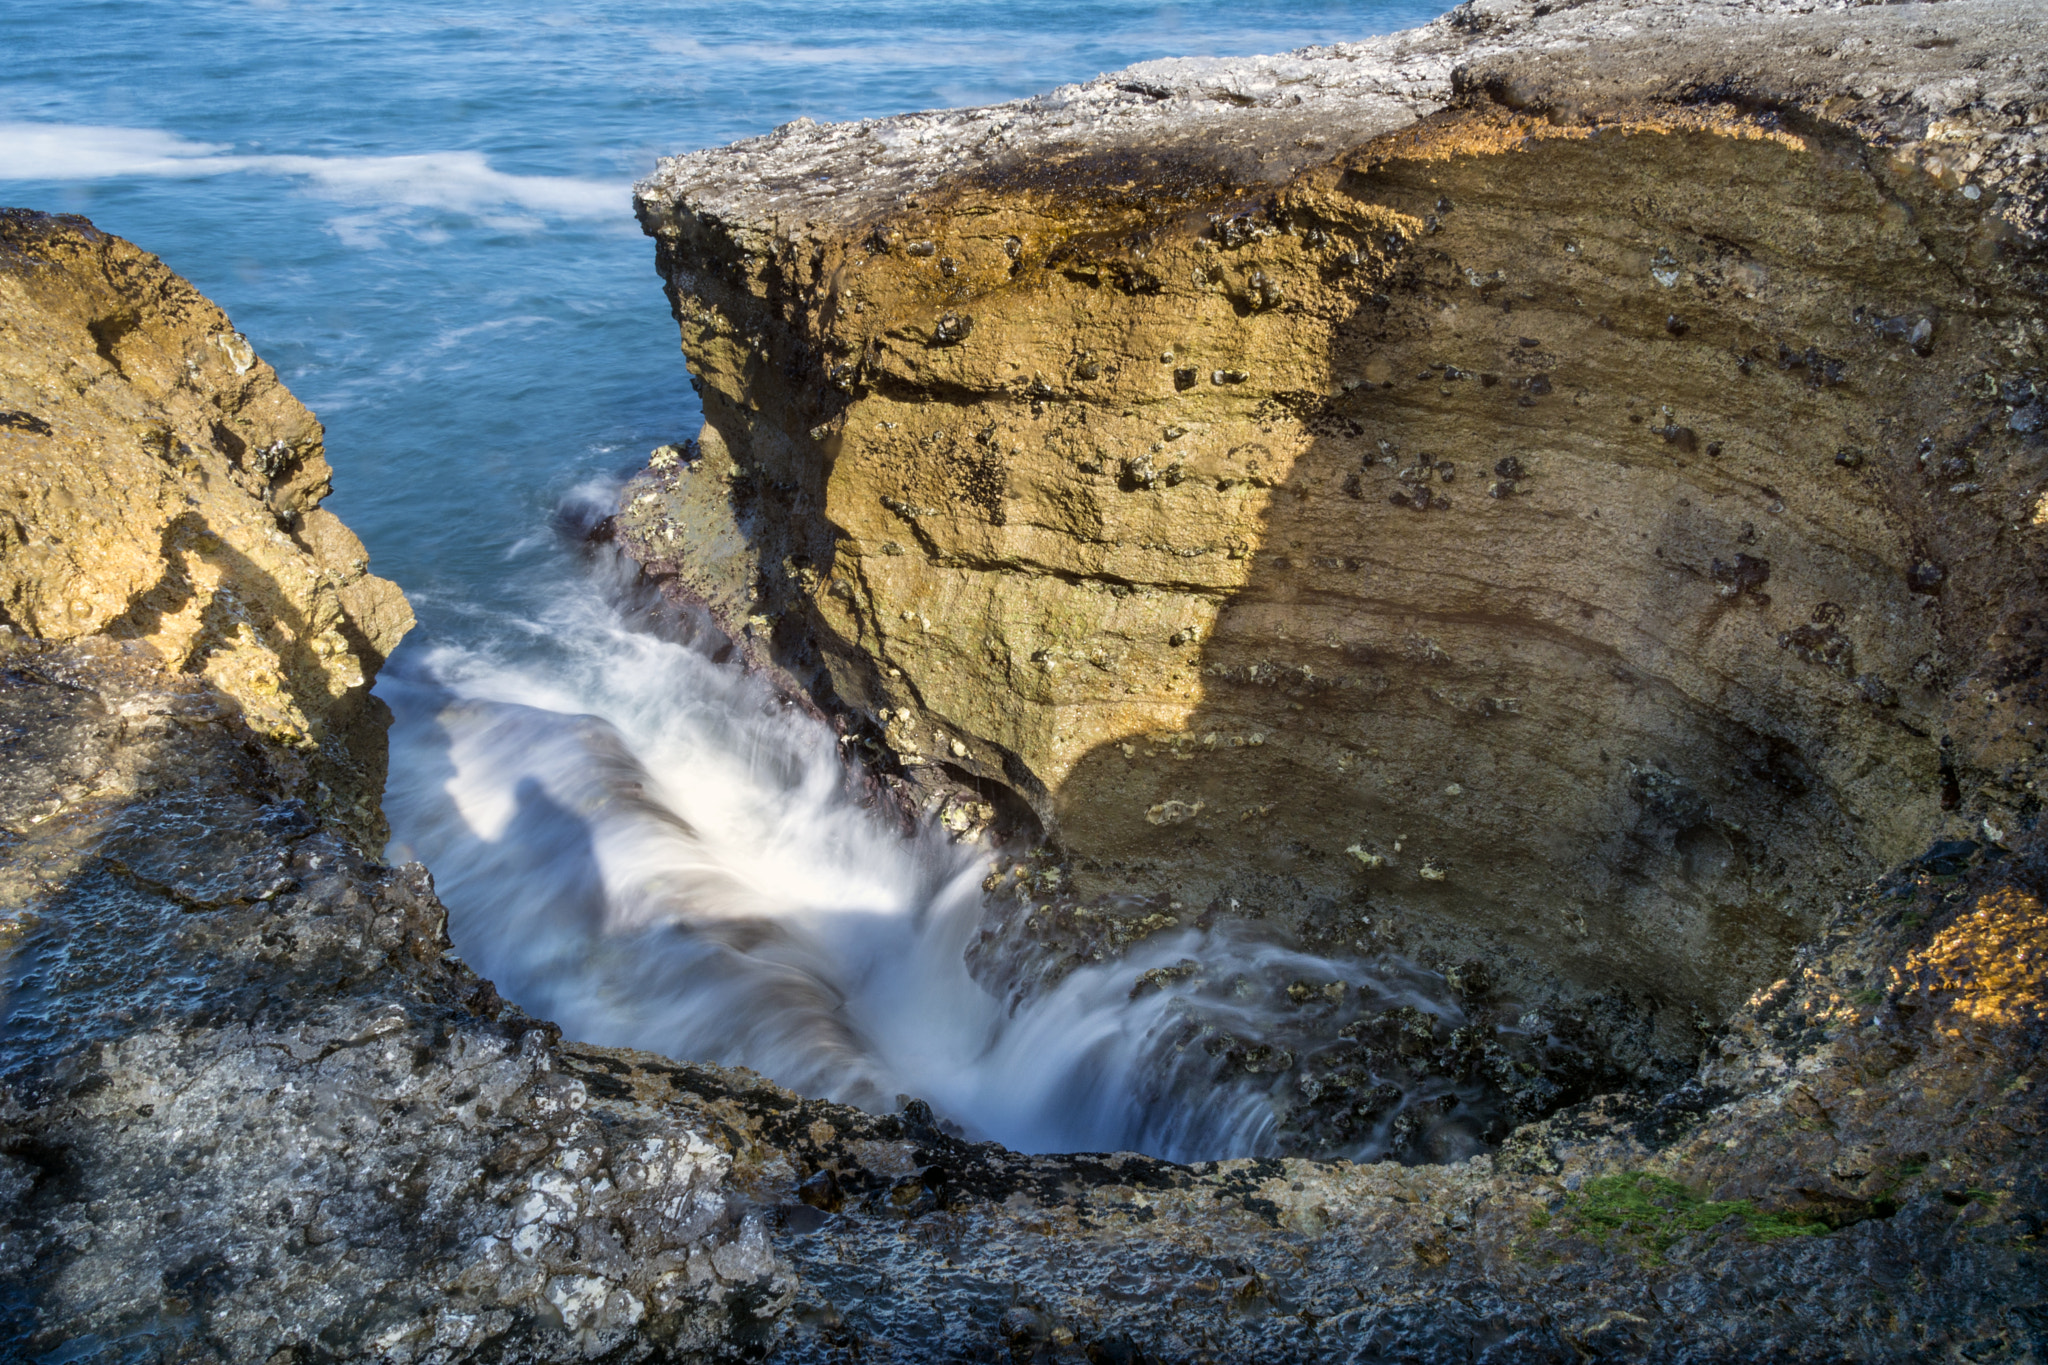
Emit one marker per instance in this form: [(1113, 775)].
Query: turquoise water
[(420, 215)]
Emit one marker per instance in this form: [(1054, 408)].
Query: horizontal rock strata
[(1556, 486), (252, 1109)]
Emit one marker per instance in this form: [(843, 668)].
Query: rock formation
[(250, 1109), (164, 488), (1553, 487), (1560, 490), (1044, 450)]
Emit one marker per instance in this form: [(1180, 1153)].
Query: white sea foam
[(644, 844), (459, 181)]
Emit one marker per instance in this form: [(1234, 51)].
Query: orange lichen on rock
[(1987, 966)]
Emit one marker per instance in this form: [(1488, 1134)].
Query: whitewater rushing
[(635, 840), (639, 840)]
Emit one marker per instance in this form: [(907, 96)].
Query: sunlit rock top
[(1957, 85)]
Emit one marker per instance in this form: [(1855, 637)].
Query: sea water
[(420, 215)]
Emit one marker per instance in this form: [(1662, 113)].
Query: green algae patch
[(1654, 1211)]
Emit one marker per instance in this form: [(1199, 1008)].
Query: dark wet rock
[(1925, 576), (299, 1125), (256, 1105)]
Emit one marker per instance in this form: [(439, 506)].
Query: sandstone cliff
[(1561, 486), (163, 487), (252, 1109)]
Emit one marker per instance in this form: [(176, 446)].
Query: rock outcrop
[(1556, 487), (163, 487), (252, 1108)]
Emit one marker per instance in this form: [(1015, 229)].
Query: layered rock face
[(1556, 488), (252, 1109), (163, 487)]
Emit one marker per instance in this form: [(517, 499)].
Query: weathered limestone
[(1553, 487), (161, 485)]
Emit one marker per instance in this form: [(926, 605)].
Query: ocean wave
[(458, 181)]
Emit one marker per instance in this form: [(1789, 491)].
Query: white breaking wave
[(457, 181), (645, 845)]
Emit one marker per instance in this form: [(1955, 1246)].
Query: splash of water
[(637, 839)]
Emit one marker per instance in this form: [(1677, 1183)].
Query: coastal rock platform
[(1555, 487)]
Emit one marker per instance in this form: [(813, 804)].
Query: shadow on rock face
[(1604, 577), (171, 495), (249, 1095), (250, 1106), (1565, 640)]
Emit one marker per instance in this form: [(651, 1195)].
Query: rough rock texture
[(157, 483), (251, 1109), (1555, 486)]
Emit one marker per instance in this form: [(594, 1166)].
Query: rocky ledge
[(1560, 492), (251, 1108)]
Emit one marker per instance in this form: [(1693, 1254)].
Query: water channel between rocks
[(639, 840)]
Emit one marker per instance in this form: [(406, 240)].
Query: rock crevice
[(1044, 443)]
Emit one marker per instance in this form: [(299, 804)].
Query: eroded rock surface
[(252, 1109), (161, 485), (1554, 486), (1561, 489)]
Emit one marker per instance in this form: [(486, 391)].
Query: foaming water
[(419, 215), (641, 841)]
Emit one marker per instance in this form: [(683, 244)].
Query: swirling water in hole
[(420, 216)]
